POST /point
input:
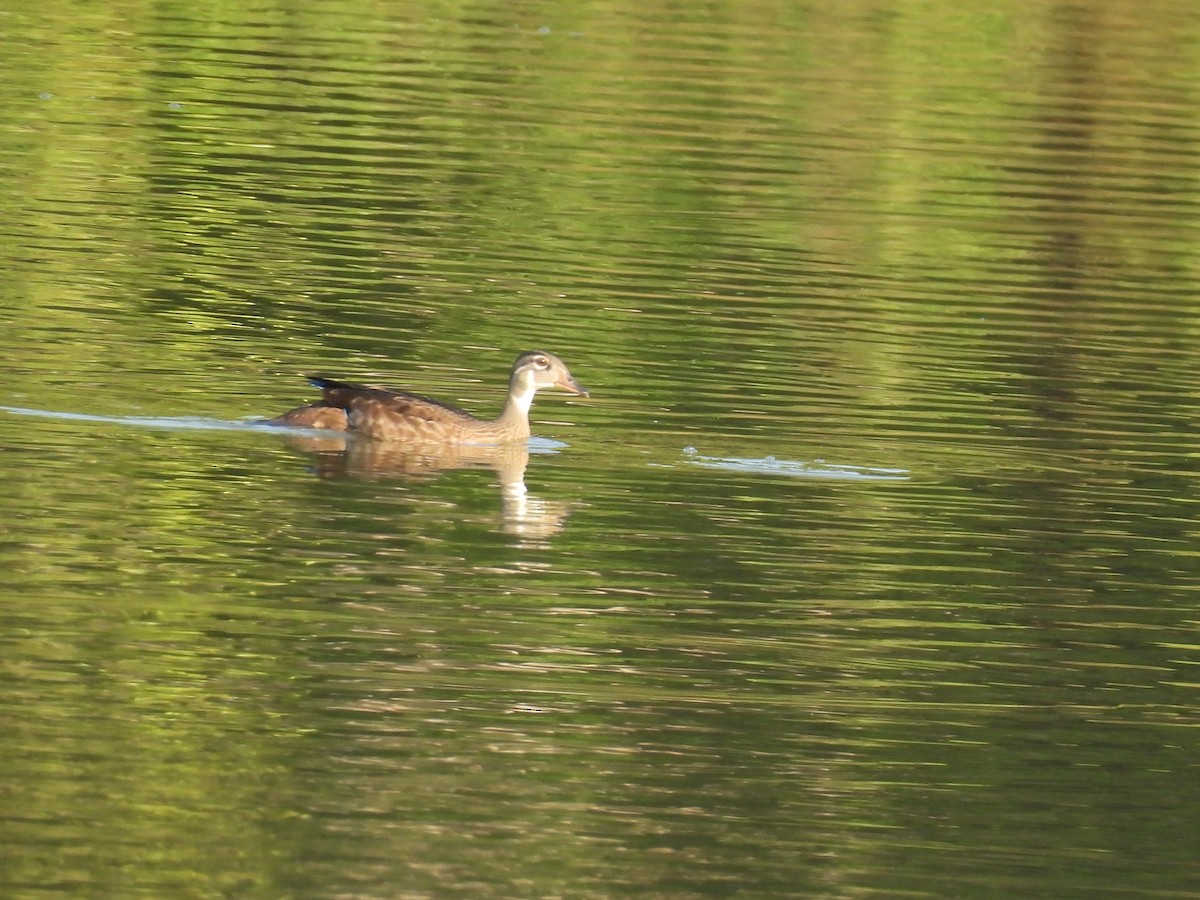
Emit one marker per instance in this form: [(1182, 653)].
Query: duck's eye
[(542, 363)]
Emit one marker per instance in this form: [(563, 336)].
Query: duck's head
[(538, 369)]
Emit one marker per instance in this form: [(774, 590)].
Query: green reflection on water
[(960, 246)]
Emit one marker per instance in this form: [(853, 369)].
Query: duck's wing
[(378, 413), (363, 401)]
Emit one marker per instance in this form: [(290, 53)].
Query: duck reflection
[(346, 456)]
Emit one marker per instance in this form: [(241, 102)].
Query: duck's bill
[(572, 386)]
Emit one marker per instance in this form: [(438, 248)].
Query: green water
[(868, 570)]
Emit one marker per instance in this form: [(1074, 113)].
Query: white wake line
[(181, 422), (769, 465)]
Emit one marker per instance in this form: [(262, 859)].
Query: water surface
[(868, 569)]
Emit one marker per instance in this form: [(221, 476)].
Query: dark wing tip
[(332, 384)]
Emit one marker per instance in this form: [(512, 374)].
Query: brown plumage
[(386, 415)]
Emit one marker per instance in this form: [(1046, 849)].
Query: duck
[(382, 414)]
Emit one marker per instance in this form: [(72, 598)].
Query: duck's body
[(386, 415)]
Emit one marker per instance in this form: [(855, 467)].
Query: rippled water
[(868, 569)]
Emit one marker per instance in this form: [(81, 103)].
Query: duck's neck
[(514, 418)]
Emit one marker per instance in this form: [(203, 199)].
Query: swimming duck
[(386, 415)]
